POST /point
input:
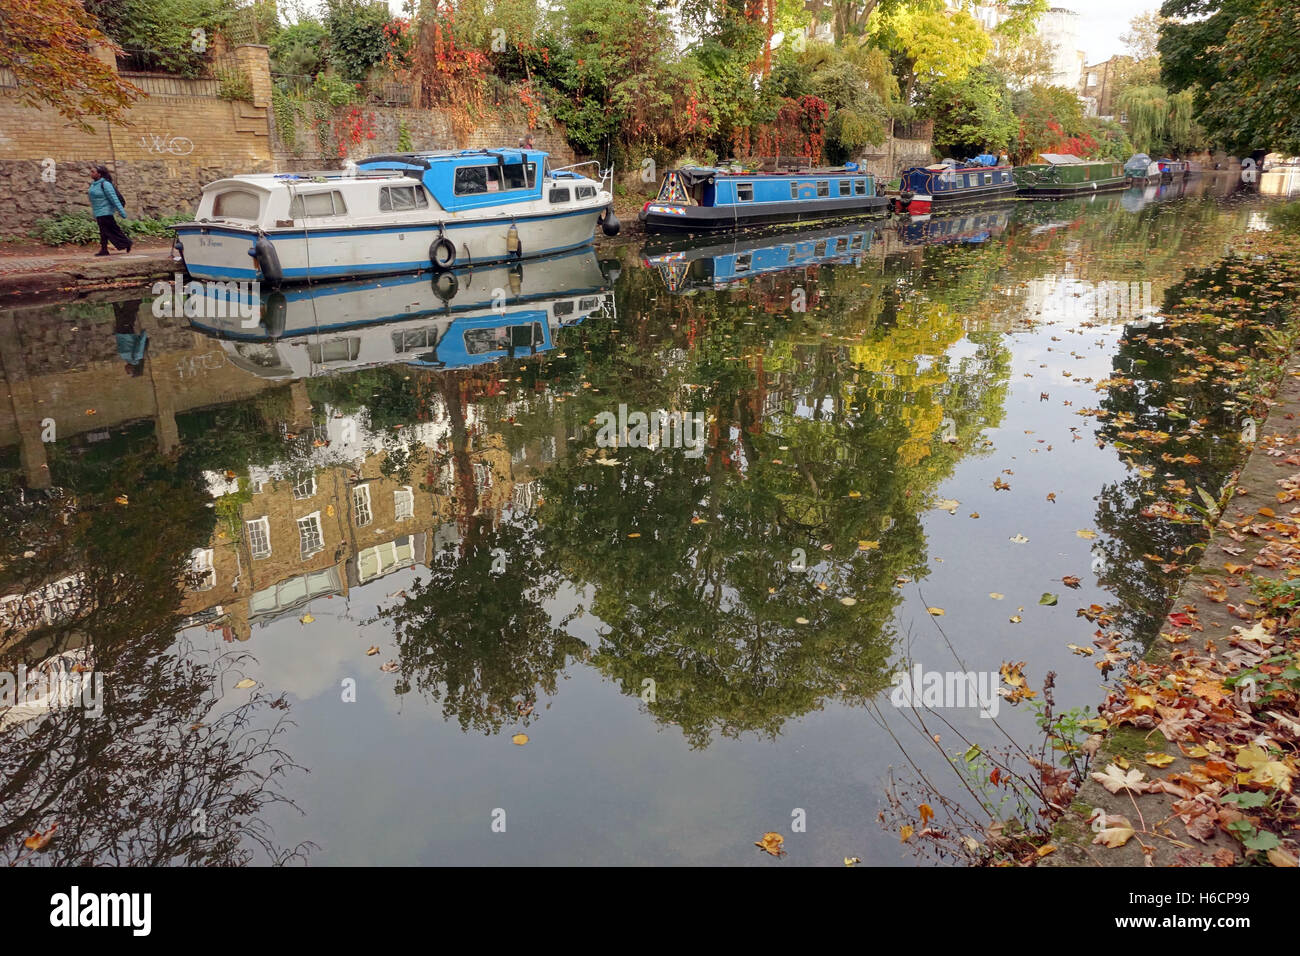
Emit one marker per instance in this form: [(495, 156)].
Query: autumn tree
[(49, 46)]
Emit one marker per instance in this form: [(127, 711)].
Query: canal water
[(410, 593)]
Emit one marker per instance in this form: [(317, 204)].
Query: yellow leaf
[(1158, 760), (122, 500), (996, 596), (1044, 850), (519, 739), (905, 833), (306, 618), (851, 861), (868, 545), (927, 813), (771, 843), (371, 651), (246, 683), (936, 611), (1084, 533)]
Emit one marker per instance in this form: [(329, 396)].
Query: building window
[(823, 188), (310, 538), (402, 198), (744, 192), (259, 536), (404, 503), (383, 558), (201, 575), (304, 486), (361, 504), (846, 187)]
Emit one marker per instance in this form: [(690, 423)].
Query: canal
[(391, 594)]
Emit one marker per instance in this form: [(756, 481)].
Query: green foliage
[(403, 137), (234, 85), (158, 32), (1256, 103), (299, 50), (357, 42), (972, 115), (80, 228), (334, 90), (1286, 216), (1160, 123)]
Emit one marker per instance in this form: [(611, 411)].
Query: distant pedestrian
[(104, 201), (526, 142)]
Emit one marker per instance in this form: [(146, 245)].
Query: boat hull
[(672, 218), (922, 204), (1063, 190), (224, 252)]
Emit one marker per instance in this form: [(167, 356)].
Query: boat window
[(338, 350), (859, 187), (402, 198), (743, 261), (483, 341), (988, 178), (519, 176), (475, 180), (559, 194), (794, 190), (819, 250), (855, 242), (237, 204), (744, 192), (823, 187), (586, 305), (408, 340), (846, 187), (563, 308), (585, 192), (318, 204)]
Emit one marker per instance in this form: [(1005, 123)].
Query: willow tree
[(1159, 121)]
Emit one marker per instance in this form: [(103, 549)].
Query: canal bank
[(1197, 763)]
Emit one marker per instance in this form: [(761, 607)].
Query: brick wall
[(181, 135)]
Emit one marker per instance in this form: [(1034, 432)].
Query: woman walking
[(104, 201)]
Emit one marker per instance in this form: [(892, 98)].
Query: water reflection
[(412, 465)]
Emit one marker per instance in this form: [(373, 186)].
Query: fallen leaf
[(1115, 779), (1086, 534), (246, 683), (771, 843), (1158, 760), (1048, 599), (936, 611), (519, 739)]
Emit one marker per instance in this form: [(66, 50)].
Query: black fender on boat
[(442, 253), (609, 223), (446, 285), (263, 253), (275, 314)]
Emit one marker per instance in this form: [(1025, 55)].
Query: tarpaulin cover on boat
[(1138, 164), (1059, 159)]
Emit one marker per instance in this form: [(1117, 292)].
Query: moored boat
[(922, 188), (1171, 169), (393, 213), (1064, 175), (1141, 168), (717, 198), (450, 319)]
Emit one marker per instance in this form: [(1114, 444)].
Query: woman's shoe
[(102, 252), (129, 245)]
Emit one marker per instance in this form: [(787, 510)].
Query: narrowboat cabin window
[(559, 194), (859, 187), (237, 204), (846, 187), (794, 189), (855, 243), (318, 205), (988, 179), (744, 192), (402, 199), (819, 250), (563, 308), (585, 192), (743, 262), (823, 188)]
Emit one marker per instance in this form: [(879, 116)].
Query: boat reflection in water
[(450, 320), (719, 265), (973, 227)]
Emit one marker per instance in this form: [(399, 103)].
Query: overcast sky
[(1100, 22)]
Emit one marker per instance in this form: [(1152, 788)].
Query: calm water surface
[(406, 544)]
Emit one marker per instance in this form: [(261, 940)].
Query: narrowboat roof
[(697, 174), (426, 158), (1065, 159)]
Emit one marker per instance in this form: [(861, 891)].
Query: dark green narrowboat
[(1060, 175)]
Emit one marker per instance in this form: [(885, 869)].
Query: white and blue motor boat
[(394, 213)]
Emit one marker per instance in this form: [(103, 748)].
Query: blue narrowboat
[(950, 183), (721, 265), (713, 199)]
